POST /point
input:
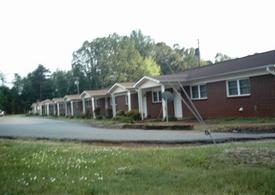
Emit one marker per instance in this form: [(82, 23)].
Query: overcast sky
[(47, 32)]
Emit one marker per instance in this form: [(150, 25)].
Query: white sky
[(46, 32)]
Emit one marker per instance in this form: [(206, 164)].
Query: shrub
[(121, 113), (134, 114), (97, 111), (128, 117), (88, 114), (109, 113)]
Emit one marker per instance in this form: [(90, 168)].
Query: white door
[(177, 106)]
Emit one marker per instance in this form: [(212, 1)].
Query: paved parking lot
[(36, 127)]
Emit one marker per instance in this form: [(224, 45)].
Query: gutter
[(271, 71)]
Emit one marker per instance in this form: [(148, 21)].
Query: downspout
[(270, 71)]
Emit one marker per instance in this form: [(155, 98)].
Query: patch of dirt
[(263, 156), (246, 128)]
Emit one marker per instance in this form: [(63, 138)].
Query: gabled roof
[(94, 93), (71, 97), (35, 104), (58, 100), (144, 79), (256, 61), (124, 86), (47, 101)]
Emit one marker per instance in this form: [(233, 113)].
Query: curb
[(146, 142)]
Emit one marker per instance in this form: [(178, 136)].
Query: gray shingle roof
[(226, 67)]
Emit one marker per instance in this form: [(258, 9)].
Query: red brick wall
[(120, 102), (261, 102), (77, 107), (134, 101), (61, 109), (154, 110)]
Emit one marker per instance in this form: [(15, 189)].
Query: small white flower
[(52, 179)]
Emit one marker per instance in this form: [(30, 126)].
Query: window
[(198, 92), (239, 87), (126, 99), (156, 96), (96, 103)]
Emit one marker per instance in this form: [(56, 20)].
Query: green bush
[(134, 114), (97, 111), (109, 113), (120, 113), (128, 117)]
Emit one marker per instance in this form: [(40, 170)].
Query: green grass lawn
[(45, 167)]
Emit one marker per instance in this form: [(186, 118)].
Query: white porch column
[(129, 101), (164, 104), (48, 109), (58, 111), (140, 103), (114, 105), (66, 109), (83, 106), (72, 108), (93, 107)]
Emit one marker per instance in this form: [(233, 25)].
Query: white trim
[(238, 88), (159, 99), (58, 109), (66, 108), (83, 106), (140, 103), (72, 108), (116, 85), (177, 105), (126, 99), (129, 103), (136, 85), (271, 71), (93, 107), (164, 105), (113, 104), (199, 92)]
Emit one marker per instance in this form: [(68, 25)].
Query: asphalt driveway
[(36, 127)]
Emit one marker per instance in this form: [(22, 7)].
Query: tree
[(220, 57), (63, 83), (39, 81), (5, 98), (2, 78), (115, 58), (144, 44)]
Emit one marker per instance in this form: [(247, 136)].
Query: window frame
[(199, 92), (239, 94), (159, 98), (126, 99)]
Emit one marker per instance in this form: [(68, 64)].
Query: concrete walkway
[(36, 127)]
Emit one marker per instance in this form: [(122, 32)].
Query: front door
[(144, 101)]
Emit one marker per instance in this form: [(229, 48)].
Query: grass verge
[(45, 167)]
